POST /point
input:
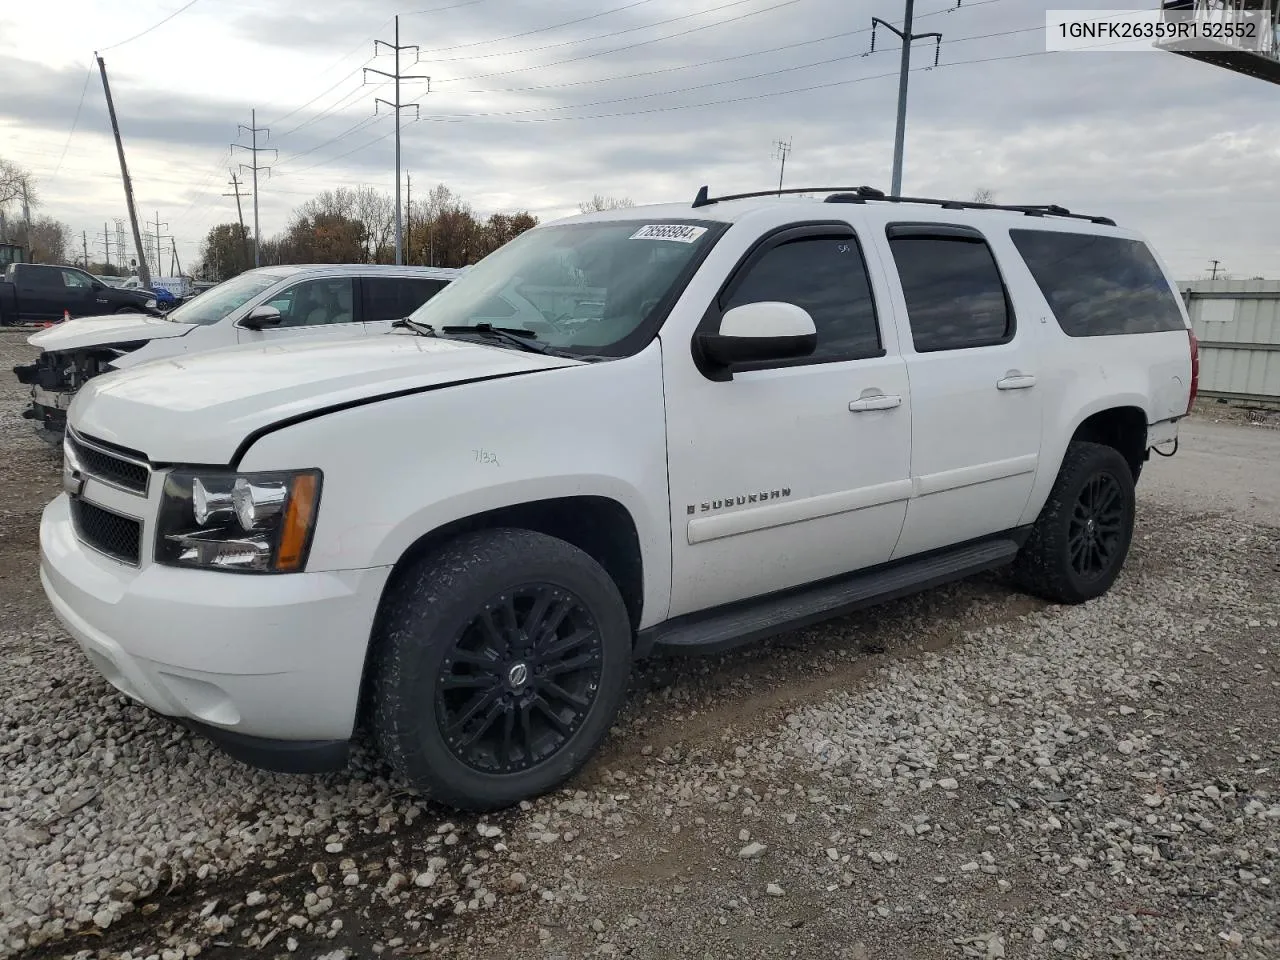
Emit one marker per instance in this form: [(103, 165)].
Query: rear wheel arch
[(1123, 428)]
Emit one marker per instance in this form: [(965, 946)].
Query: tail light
[(1194, 343)]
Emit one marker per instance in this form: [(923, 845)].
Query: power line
[(713, 83), (74, 122), (725, 101), (358, 125), (617, 33), (363, 123), (529, 33), (452, 6), (321, 73), (758, 96), (155, 26)]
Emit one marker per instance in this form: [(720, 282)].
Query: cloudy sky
[(538, 104)]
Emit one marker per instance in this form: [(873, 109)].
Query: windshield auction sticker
[(679, 232)]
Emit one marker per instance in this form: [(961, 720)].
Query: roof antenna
[(701, 199)]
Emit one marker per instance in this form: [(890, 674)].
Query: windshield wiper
[(421, 329), (515, 336)]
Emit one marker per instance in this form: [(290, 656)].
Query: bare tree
[(984, 195), (48, 240), (376, 211), (14, 181), (598, 203)]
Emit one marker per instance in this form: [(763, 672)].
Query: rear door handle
[(1016, 383), (880, 402)]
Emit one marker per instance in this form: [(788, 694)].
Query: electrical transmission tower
[(244, 239), (106, 245), (120, 243), (253, 130), (907, 38), (159, 238), (781, 148), (397, 106)]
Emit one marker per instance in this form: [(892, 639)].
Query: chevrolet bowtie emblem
[(72, 480), (72, 475)]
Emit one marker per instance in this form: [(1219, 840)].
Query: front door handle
[(878, 402), (1016, 382)]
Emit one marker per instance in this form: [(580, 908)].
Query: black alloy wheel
[(519, 680), (1096, 527)]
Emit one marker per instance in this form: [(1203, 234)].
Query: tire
[(434, 664), (1080, 540)]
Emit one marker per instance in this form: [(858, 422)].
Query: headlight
[(249, 522), (150, 304)]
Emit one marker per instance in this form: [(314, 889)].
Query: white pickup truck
[(733, 417)]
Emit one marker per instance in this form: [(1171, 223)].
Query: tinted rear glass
[(955, 297), (1099, 286)]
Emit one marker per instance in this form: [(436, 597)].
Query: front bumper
[(269, 667), (49, 409)]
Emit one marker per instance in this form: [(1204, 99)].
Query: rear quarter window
[(1099, 286)]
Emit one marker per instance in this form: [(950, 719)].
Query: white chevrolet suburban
[(262, 306), (729, 418)]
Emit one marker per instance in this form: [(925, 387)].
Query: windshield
[(212, 305), (584, 287)]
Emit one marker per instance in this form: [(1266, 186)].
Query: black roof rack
[(863, 194)]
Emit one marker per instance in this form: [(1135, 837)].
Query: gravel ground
[(967, 773)]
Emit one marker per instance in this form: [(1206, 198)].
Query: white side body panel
[(398, 469), (775, 481), (975, 445)]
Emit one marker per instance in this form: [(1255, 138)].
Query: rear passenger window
[(390, 298), (1099, 286), (955, 297), (827, 277)]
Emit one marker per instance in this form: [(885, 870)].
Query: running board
[(724, 628)]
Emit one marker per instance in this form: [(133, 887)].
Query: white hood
[(198, 409), (103, 331)]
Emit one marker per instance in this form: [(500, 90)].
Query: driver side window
[(313, 303), (73, 280)]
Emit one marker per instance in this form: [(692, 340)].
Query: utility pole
[(408, 216), (780, 150), (397, 107), (244, 237), (106, 244), (253, 130), (1214, 275), (175, 257), (158, 238), (84, 245), (907, 37), (144, 275)]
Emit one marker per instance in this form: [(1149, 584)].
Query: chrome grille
[(110, 467), (109, 533)]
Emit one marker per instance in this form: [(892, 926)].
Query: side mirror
[(261, 316), (769, 330)]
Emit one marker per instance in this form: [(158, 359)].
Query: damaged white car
[(260, 306)]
